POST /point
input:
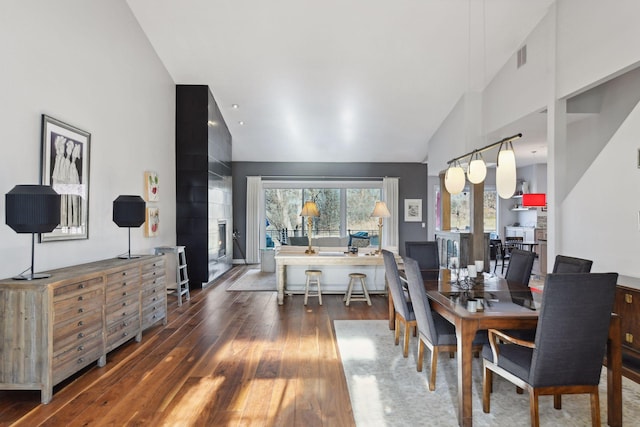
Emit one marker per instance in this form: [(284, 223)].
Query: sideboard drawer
[(124, 276), (68, 333), (123, 330), (78, 304), (71, 289)]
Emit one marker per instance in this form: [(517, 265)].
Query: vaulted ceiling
[(336, 80)]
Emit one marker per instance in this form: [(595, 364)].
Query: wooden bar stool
[(182, 279), (313, 279), (364, 296)]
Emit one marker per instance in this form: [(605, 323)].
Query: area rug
[(255, 280), (386, 390)]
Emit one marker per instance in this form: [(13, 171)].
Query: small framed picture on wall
[(413, 210)]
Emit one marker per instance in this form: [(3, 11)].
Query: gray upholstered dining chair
[(426, 253), (567, 264), (403, 308), (567, 353), (434, 331), (520, 266)]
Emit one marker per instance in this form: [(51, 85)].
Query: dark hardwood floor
[(224, 358)]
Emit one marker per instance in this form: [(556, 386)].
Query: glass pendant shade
[(454, 179), (506, 172), (477, 170)]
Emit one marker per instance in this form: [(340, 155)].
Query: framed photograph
[(413, 210), (152, 222), (151, 186), (65, 167)]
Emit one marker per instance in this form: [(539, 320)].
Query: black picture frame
[(65, 166)]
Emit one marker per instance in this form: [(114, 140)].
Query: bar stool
[(364, 296), (313, 279), (182, 280)]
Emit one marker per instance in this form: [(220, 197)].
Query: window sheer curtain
[(255, 220), (390, 192)]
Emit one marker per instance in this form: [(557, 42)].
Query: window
[(343, 206), (461, 210)]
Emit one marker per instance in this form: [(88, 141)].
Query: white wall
[(596, 39), (516, 92), (600, 215), (87, 64)]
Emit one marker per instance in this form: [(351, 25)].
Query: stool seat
[(313, 279), (350, 296)]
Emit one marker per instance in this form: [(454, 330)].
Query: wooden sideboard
[(51, 328), (627, 306)]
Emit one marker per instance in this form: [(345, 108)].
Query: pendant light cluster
[(454, 178)]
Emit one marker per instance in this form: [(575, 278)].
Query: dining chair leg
[(557, 401), (405, 348), (434, 366), (595, 408), (487, 384), (420, 354), (533, 408), (397, 329)]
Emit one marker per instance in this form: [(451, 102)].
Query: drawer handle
[(80, 348), (154, 290), (628, 298), (81, 286), (81, 360), (124, 334), (154, 308), (154, 316), (80, 323), (154, 299), (124, 273), (124, 294), (124, 303), (124, 284), (628, 338), (80, 298), (81, 335), (124, 314), (81, 310), (125, 323)]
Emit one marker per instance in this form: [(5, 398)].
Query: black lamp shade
[(32, 209), (128, 211)]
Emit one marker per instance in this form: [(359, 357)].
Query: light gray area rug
[(386, 389), (255, 280)]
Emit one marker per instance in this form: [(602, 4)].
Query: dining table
[(504, 305)]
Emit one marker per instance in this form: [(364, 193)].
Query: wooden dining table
[(505, 306)]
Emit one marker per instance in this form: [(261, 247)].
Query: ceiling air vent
[(522, 56)]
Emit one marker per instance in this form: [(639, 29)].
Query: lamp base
[(310, 252), (32, 276), (128, 256)]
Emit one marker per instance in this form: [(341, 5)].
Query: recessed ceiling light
[(235, 106), (241, 123)]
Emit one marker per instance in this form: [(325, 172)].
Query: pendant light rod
[(486, 147)]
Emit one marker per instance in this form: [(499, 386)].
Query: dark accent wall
[(412, 185), (203, 184)]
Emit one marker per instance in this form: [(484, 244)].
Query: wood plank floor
[(223, 359)]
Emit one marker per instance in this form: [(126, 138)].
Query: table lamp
[(310, 210), (380, 211), (32, 209), (128, 211)]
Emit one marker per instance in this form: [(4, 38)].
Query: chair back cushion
[(520, 265), (572, 329), (568, 264), (395, 285), (426, 253), (420, 301)]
